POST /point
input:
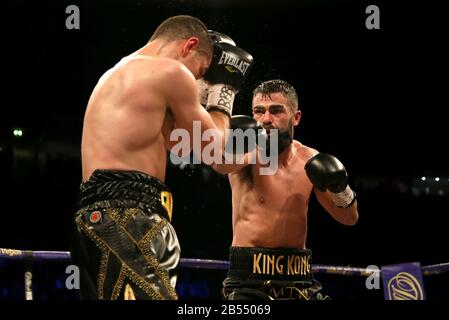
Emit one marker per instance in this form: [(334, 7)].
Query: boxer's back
[(124, 117)]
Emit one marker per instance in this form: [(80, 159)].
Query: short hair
[(266, 88), (184, 27)]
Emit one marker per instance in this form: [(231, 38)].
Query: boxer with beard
[(268, 255)]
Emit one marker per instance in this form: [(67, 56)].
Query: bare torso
[(126, 119), (271, 210)]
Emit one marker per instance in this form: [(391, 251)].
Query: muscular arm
[(235, 166), (220, 120), (239, 156), (346, 216), (179, 88)]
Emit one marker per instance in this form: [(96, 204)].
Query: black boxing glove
[(229, 67), (243, 134), (230, 64), (326, 172), (203, 85), (244, 123), (218, 37)]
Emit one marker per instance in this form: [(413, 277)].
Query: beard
[(284, 140)]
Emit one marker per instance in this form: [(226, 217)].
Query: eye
[(257, 111)]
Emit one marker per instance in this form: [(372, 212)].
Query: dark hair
[(266, 88), (184, 27)]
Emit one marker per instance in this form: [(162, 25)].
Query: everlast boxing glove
[(229, 67)]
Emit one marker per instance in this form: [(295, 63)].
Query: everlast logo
[(234, 61), (281, 264)]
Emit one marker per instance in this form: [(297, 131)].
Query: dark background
[(373, 98)]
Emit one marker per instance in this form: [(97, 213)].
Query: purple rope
[(211, 264), (204, 264), (37, 255), (345, 271), (435, 269)]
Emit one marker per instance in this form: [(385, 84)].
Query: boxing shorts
[(270, 274), (124, 244)]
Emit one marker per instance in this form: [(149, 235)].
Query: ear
[(189, 45), (297, 118)]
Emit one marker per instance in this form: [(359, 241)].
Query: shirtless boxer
[(124, 243), (268, 256)]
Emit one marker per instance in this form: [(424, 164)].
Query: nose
[(266, 118)]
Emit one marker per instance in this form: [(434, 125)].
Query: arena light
[(18, 132), (423, 178), (437, 179)]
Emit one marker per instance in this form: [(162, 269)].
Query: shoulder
[(303, 151), (173, 68), (157, 68), (173, 74)]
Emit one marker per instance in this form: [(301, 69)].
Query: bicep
[(233, 163), (194, 126), (182, 97)]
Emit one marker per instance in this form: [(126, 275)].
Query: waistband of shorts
[(112, 188), (283, 264)]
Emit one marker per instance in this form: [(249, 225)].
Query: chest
[(286, 183)]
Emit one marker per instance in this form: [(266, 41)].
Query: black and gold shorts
[(124, 244), (270, 274)]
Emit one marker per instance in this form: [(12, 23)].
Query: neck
[(157, 48), (285, 156)]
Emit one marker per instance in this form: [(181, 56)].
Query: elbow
[(351, 222), (351, 219)]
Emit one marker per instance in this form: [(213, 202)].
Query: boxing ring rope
[(191, 263), (212, 264)]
